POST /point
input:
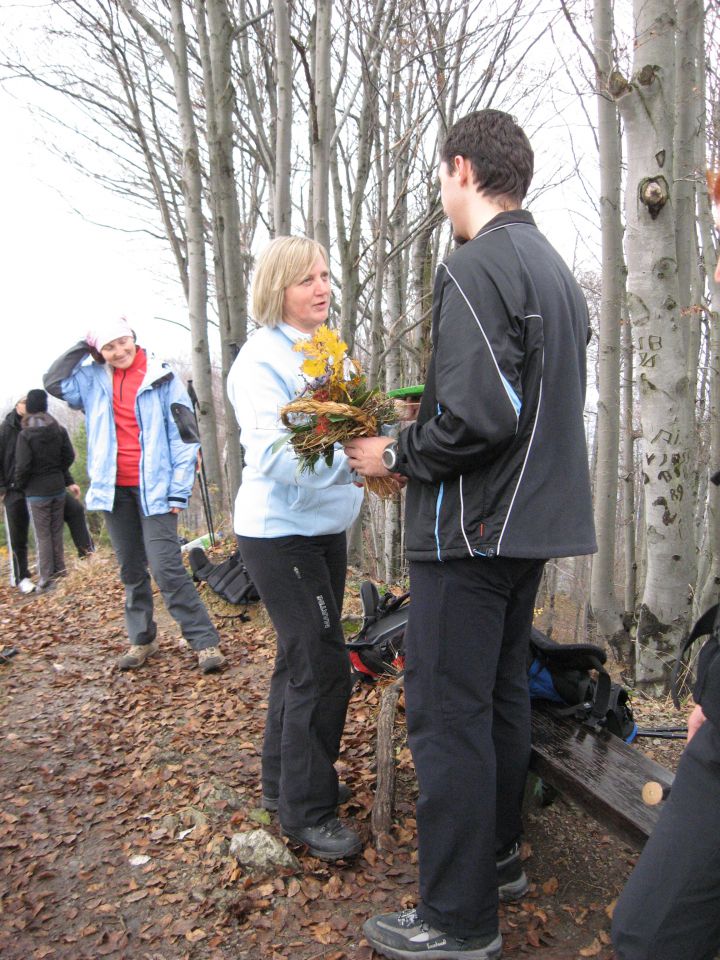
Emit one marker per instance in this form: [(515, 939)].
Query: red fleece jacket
[(126, 384)]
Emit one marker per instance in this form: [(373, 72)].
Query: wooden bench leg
[(382, 811)]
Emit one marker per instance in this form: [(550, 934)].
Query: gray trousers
[(670, 907), (140, 542), (47, 518)]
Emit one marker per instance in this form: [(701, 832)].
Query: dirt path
[(119, 793)]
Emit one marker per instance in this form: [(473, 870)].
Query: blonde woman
[(291, 531)]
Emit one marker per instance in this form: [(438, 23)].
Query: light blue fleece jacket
[(168, 431), (276, 498)]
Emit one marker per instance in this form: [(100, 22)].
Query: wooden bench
[(600, 772)]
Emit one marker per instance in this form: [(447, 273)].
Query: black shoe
[(512, 880), (332, 840), (271, 803), (404, 935)]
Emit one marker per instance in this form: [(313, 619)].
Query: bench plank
[(601, 772)]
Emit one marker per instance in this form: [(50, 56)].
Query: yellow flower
[(314, 367), (325, 353)]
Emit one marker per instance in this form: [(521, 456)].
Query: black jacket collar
[(505, 218)]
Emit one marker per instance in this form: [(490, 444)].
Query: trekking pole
[(201, 475)]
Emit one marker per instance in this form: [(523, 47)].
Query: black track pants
[(74, 515), (468, 716), (301, 581), (18, 525)]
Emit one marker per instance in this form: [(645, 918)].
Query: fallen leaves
[(120, 794)]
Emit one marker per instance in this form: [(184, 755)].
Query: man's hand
[(74, 490), (695, 721), (364, 455)]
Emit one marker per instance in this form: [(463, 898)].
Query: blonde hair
[(284, 262)]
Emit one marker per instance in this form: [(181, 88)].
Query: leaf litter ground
[(119, 793)]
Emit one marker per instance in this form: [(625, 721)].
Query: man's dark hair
[(498, 150)]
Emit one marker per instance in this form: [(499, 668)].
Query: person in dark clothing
[(17, 517), (670, 906), (498, 482), (42, 458)]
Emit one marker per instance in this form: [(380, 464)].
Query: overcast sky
[(59, 272)]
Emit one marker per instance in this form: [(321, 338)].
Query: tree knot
[(654, 193)]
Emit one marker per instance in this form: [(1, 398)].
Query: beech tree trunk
[(323, 125), (215, 47), (282, 207), (666, 403), (176, 56), (707, 589), (603, 597)]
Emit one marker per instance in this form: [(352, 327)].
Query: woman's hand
[(74, 490)]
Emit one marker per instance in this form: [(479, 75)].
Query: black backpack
[(572, 680), (229, 579), (569, 678), (379, 646)]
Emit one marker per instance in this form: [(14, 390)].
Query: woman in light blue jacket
[(291, 530), (142, 446)]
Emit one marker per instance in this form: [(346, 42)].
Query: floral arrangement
[(335, 406)]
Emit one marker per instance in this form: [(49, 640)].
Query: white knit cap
[(106, 331)]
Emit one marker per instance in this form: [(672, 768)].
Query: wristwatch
[(389, 456)]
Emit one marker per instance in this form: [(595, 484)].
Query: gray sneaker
[(210, 660), (136, 655), (404, 935), (512, 880)]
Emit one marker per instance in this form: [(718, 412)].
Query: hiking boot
[(271, 803), (210, 660), (45, 586), (26, 585), (332, 840), (403, 935), (512, 880), (136, 655)]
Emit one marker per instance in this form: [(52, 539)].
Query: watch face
[(389, 456)]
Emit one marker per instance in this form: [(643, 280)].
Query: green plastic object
[(403, 392)]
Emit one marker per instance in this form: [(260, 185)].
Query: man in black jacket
[(498, 482), (17, 518)]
